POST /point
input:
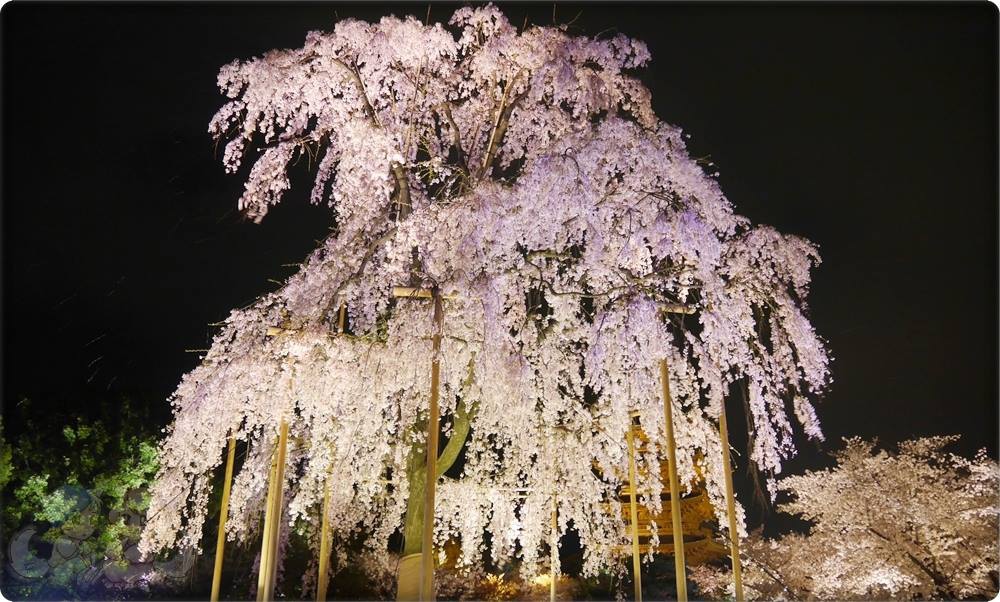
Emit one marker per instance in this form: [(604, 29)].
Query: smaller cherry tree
[(917, 522)]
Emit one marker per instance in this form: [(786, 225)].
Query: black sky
[(871, 130)]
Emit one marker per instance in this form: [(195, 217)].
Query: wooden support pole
[(734, 536), (272, 521), (433, 428), (323, 581), (675, 489), (279, 481), (324, 545), (413, 584), (220, 540), (634, 512), (341, 318), (265, 546), (676, 308), (554, 550), (407, 292)]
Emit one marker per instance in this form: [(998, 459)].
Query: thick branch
[(461, 425), (645, 283), (416, 467), (500, 125), (402, 190), (456, 135), (356, 77), (459, 432), (398, 173)]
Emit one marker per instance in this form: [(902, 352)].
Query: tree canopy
[(524, 175)]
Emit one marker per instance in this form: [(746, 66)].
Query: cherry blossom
[(913, 523), (523, 174)]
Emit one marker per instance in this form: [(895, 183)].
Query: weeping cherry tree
[(524, 178)]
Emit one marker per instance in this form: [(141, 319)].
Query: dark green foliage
[(74, 495)]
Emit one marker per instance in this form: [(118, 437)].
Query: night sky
[(871, 130)]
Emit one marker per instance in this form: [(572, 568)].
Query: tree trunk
[(414, 523), (408, 576)]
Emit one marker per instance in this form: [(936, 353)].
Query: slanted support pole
[(406, 577), (633, 510), (341, 318), (220, 540), (324, 546), (265, 547), (272, 520), (734, 536), (554, 550), (323, 580), (433, 430), (675, 489)]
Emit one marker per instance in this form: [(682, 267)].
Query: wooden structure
[(675, 489), (426, 591), (433, 432), (696, 517)]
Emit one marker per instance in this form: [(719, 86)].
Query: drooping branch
[(752, 468), (402, 191)]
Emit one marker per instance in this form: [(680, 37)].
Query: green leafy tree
[(74, 490)]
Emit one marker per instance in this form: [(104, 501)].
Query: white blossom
[(915, 523)]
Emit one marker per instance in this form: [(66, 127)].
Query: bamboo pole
[(419, 293), (433, 428), (220, 541), (341, 318), (675, 493), (676, 308), (324, 525), (272, 521), (279, 482), (324, 545), (554, 550), (633, 512), (734, 536), (265, 546)]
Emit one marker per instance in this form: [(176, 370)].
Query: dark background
[(871, 130)]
